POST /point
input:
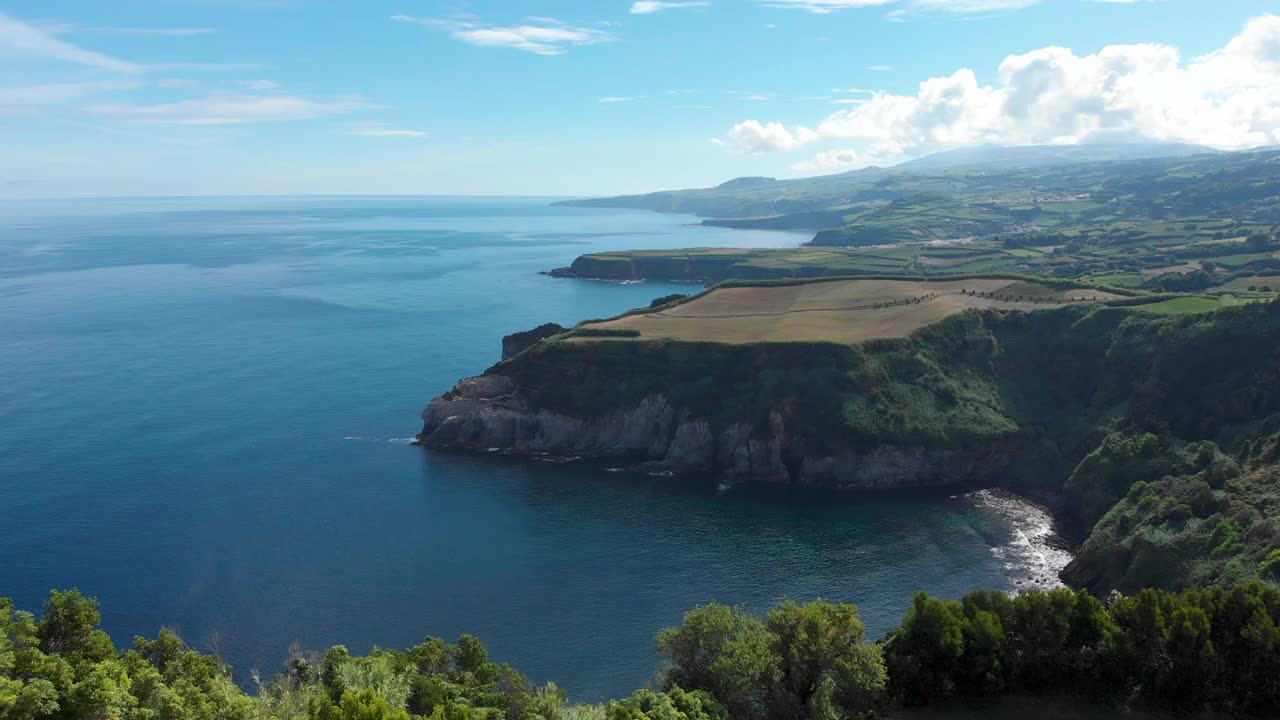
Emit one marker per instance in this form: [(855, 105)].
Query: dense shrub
[(1199, 650)]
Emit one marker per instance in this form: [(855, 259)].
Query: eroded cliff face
[(516, 343), (489, 413)]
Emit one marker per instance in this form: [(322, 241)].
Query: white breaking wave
[(1034, 554), (397, 441)]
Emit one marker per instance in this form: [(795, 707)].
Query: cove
[(207, 405)]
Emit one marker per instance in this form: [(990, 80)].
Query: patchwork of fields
[(844, 311)]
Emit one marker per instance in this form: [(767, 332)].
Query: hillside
[(979, 192), (999, 157), (1228, 257), (1019, 391)]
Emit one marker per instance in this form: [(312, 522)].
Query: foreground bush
[(1216, 649)]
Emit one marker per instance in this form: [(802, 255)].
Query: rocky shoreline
[(488, 413)]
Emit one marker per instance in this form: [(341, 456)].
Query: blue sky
[(141, 97)]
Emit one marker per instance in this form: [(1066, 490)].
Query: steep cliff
[(982, 397), (1159, 433), (930, 409), (488, 412), (516, 343)]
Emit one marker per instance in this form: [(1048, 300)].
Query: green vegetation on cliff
[(1153, 427), (1153, 256), (1199, 650), (1082, 198), (1179, 224)]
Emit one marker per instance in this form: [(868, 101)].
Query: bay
[(205, 410)]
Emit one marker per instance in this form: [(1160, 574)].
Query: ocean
[(205, 415)]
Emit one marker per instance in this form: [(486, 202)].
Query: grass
[(1251, 281), (844, 311), (1181, 306), (1128, 280)]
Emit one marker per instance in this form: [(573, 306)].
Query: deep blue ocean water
[(204, 414)]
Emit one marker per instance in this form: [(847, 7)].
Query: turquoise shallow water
[(204, 414)]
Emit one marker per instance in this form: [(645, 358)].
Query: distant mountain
[(978, 191), (1001, 157), (743, 183)]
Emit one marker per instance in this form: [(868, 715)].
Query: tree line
[(1216, 649)]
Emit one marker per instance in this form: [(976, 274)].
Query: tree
[(824, 658), (1258, 241), (923, 654), (68, 627), (674, 704), (369, 705), (37, 700), (726, 652), (1191, 657), (666, 299), (103, 694)]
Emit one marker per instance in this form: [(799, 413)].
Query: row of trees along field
[(1215, 649)]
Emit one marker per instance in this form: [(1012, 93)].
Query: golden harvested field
[(841, 311)]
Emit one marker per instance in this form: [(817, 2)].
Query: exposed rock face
[(487, 412), (516, 343)]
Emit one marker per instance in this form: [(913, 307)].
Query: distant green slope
[(990, 191)]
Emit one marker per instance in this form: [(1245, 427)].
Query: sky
[(594, 97)]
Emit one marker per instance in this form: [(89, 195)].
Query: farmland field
[(1242, 284), (1182, 306), (838, 311)]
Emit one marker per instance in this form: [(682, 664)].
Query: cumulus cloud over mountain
[(1229, 98)]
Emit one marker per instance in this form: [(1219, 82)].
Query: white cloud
[(20, 39), (135, 31), (541, 36), (202, 66), (262, 85), (1229, 98), (228, 110), (958, 7), (616, 99), (32, 97), (645, 7), (970, 6), (379, 130), (824, 6), (843, 159), (829, 160), (880, 68), (755, 137)]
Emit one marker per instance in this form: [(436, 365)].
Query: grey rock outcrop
[(488, 413)]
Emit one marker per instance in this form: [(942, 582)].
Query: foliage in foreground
[(1213, 649), (1216, 649)]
